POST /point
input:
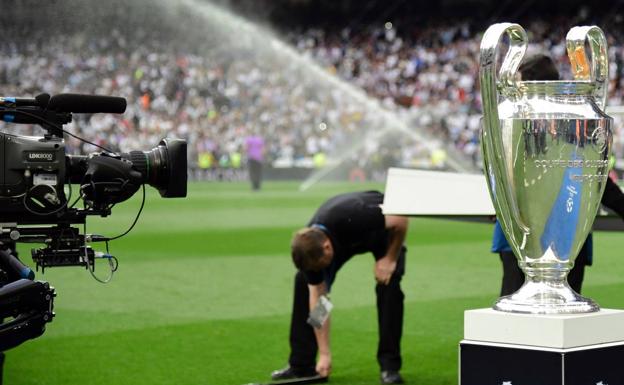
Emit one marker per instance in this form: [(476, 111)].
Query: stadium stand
[(214, 96)]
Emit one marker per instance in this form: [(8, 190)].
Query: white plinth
[(549, 331), (417, 192)]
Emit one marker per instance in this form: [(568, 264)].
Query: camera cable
[(113, 263), (60, 129), (64, 205), (136, 219)]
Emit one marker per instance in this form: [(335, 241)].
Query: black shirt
[(613, 198), (354, 224)]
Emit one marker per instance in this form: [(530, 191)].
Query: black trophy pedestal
[(518, 349), (500, 364)]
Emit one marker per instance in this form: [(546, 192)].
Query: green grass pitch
[(203, 294)]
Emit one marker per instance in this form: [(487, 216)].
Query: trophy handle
[(494, 156), (597, 72), (506, 82)]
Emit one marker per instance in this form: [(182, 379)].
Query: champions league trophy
[(546, 147)]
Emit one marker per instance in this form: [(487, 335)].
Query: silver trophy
[(546, 147)]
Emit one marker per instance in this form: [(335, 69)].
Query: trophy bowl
[(546, 147)]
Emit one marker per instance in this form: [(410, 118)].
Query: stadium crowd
[(426, 76), (434, 70)]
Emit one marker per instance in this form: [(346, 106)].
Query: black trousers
[(513, 277), (303, 346), (255, 173)]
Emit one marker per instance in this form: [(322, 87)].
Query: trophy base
[(546, 298), (575, 349)]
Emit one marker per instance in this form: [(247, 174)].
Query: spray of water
[(386, 121), (305, 88)]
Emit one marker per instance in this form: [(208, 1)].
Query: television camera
[(36, 203)]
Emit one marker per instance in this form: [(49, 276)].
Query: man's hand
[(384, 268), (323, 366)]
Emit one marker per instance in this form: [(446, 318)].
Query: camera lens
[(163, 167)]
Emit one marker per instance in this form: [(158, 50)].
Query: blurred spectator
[(254, 145)]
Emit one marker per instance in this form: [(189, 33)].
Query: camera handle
[(25, 307), (28, 306)]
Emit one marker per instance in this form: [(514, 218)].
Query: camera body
[(35, 170), (38, 203), (31, 168)]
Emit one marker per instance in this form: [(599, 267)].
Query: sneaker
[(391, 377), (290, 372)]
